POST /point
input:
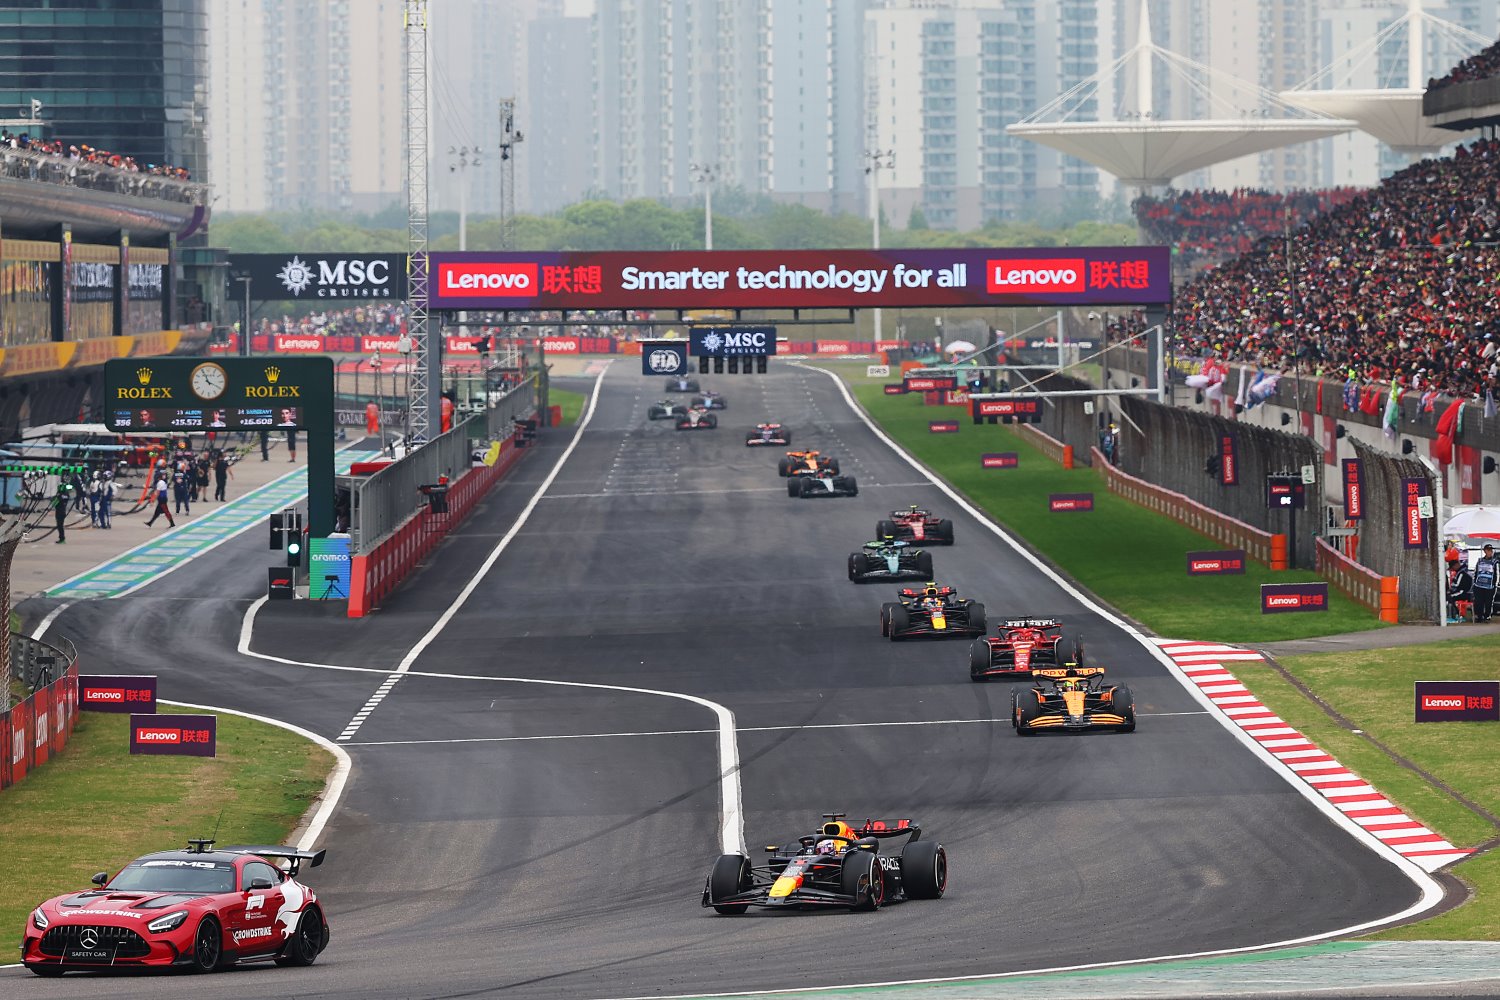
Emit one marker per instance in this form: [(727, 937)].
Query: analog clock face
[(209, 381)]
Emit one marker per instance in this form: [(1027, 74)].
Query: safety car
[(1071, 698), (1021, 645), (806, 463), (201, 909), (931, 611), (839, 866), (768, 434), (889, 559), (697, 419), (916, 524), (665, 409)]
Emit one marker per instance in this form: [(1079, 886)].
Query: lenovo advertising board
[(1216, 563), (942, 426), (1070, 501), (177, 735), (117, 692), (1000, 460), (1354, 489), (792, 279), (1413, 524), (1229, 460), (1458, 701), (1280, 598)]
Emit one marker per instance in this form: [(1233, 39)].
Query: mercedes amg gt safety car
[(200, 909), (709, 400), (822, 486), (915, 524), (807, 463), (768, 434), (681, 383), (887, 560), (697, 419), (665, 409), (1022, 645), (931, 611), (1071, 698), (838, 866)]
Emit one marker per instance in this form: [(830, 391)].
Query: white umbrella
[(959, 347), (1476, 522)]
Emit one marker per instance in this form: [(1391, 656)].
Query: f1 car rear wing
[(889, 543), (1063, 673), (292, 855), (891, 828), (1031, 623)]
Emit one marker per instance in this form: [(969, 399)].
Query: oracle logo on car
[(1061, 274), (486, 280)]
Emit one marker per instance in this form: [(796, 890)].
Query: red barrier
[(374, 575), (1380, 594), (37, 728)]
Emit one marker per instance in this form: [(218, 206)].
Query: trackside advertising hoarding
[(180, 735), (117, 693), (1458, 701), (791, 279), (1278, 598), (1216, 562)]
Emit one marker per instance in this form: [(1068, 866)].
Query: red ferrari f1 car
[(1022, 645), (916, 525), (200, 909)]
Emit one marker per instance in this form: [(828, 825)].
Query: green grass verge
[(95, 807), (570, 401), (1133, 558)]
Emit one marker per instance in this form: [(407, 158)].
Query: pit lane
[(570, 867)]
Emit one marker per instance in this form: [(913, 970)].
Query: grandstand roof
[(1392, 116)]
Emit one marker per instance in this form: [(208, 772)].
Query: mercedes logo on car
[(664, 362), (89, 938)]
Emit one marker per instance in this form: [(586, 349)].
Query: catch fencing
[(1172, 448), (1064, 419), (1382, 532), (384, 500)]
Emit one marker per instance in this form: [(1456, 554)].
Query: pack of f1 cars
[(822, 486), (665, 409), (681, 383), (1071, 698), (697, 419), (807, 463), (201, 909), (768, 434), (1022, 645), (838, 866), (888, 560), (915, 524), (931, 611), (709, 400)]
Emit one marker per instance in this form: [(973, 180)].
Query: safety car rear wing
[(292, 855)]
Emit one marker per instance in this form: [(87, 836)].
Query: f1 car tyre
[(859, 865), (943, 532), (924, 869), (884, 528), (1078, 650), (885, 619), (783, 467), (979, 660), (1024, 707), (856, 565), (898, 622), (846, 483), (306, 941), (731, 875), (924, 564), (1124, 703), (976, 617), (832, 466), (786, 436), (794, 487), (208, 946)]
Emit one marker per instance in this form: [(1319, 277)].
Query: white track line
[(46, 622), (731, 809), (1431, 889)]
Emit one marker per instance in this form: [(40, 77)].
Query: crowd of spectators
[(1396, 285), (90, 154), (388, 319), (1480, 66), (1205, 227)]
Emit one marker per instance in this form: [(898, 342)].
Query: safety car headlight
[(39, 919), (169, 922)]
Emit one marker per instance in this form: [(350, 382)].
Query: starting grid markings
[(137, 566), (1204, 665)]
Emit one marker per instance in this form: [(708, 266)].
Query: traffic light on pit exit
[(276, 529), (294, 549)]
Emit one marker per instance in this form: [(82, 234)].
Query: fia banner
[(1279, 598), (175, 735), (664, 357), (117, 692), (1229, 460), (1354, 489), (1217, 563), (1070, 501), (1458, 701), (1000, 460), (1413, 524)]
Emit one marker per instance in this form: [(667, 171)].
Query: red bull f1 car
[(1022, 645), (889, 560), (665, 409), (697, 419), (807, 463), (914, 524), (839, 866), (768, 434), (931, 612), (200, 909), (1069, 699)]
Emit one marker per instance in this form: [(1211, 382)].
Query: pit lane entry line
[(731, 809)]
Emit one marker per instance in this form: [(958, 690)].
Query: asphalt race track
[(550, 841)]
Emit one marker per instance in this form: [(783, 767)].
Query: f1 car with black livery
[(666, 409), (768, 433), (681, 383), (822, 486), (840, 867), (1072, 698), (1021, 646), (931, 611), (200, 909), (710, 400), (916, 524), (807, 463), (697, 419), (888, 560)]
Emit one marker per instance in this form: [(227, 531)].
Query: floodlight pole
[(707, 173), (875, 160)]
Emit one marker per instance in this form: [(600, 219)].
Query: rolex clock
[(208, 381)]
